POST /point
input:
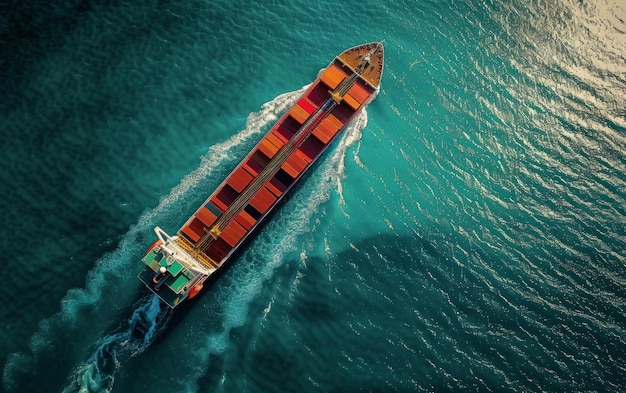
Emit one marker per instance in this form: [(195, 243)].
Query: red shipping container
[(296, 162), (302, 156), (239, 179), (245, 219), (206, 216), (233, 233), (273, 189), (219, 204), (194, 230), (290, 170), (252, 167), (217, 250), (310, 103), (262, 200), (306, 106)]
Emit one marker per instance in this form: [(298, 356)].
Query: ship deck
[(284, 154)]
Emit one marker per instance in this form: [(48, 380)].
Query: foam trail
[(111, 272), (248, 282), (132, 338)]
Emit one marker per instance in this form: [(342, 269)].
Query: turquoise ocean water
[(468, 233)]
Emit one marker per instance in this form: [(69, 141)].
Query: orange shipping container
[(262, 200), (326, 129), (278, 142), (194, 230), (359, 93), (291, 171), (335, 122), (333, 76), (206, 216), (354, 104), (299, 114), (296, 162), (233, 233), (267, 148), (239, 179), (245, 219), (279, 136)]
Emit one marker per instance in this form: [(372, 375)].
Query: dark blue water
[(468, 233)]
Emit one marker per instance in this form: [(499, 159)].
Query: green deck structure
[(178, 283)]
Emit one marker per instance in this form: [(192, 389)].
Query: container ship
[(177, 266)]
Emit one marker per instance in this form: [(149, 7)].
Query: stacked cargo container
[(269, 194)]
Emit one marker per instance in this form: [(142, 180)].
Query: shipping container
[(213, 209), (276, 140), (221, 205), (279, 136), (253, 212), (194, 230), (262, 200), (333, 76), (227, 194), (312, 147), (239, 179), (290, 170), (284, 178), (318, 94), (267, 148), (343, 112), (353, 103), (273, 189), (232, 233), (299, 114), (288, 127), (206, 216), (218, 249), (358, 92), (245, 219), (302, 156)]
